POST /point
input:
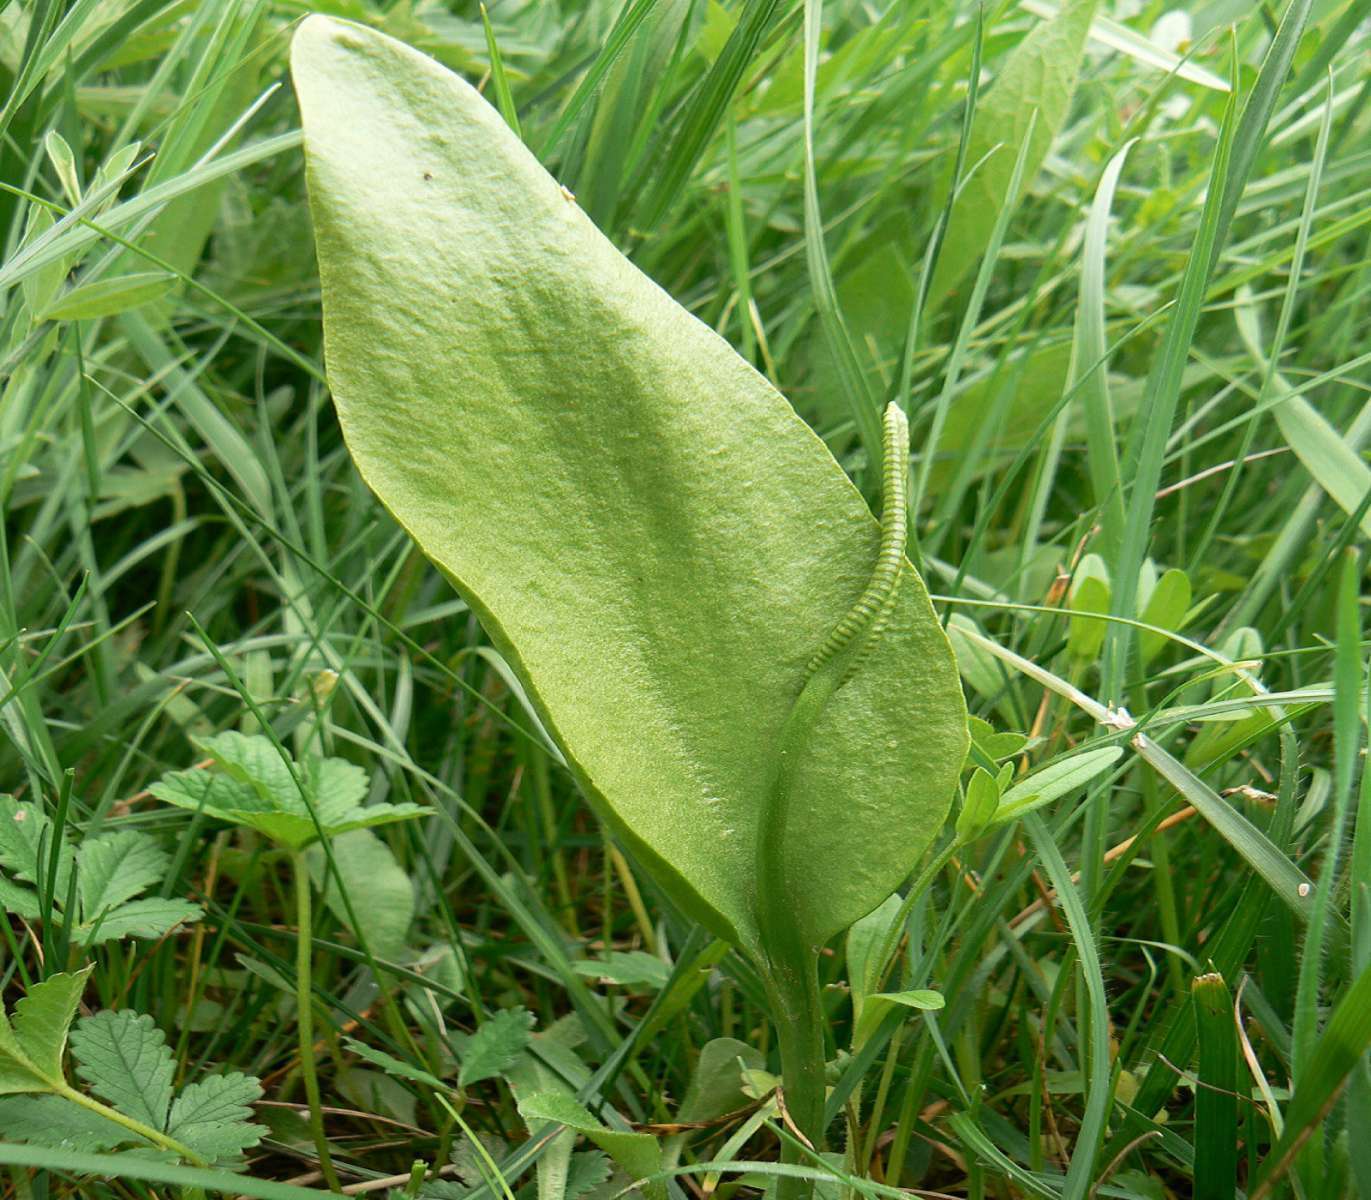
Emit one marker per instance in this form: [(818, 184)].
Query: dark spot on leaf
[(427, 176)]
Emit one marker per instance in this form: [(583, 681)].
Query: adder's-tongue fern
[(791, 976)]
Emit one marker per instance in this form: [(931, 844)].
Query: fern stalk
[(791, 965)]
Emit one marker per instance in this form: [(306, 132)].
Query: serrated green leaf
[(254, 761), (635, 968), (250, 784), (472, 1157), (107, 297), (207, 791), (32, 1041), (147, 919), (109, 869), (22, 902), (214, 1117), (374, 815), (115, 867), (124, 1058), (588, 1169), (652, 538), (495, 1045), (337, 786), (637, 1153), (26, 842), (1054, 781), (55, 1121), (394, 1066)]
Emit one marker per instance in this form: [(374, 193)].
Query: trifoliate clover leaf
[(495, 1046), (249, 783), (33, 1039), (111, 869)]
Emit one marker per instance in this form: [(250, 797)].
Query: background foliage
[(187, 550)]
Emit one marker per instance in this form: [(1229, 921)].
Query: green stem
[(156, 1137), (799, 1017), (304, 997)]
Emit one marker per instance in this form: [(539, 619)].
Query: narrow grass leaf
[(1340, 1049), (1089, 366), (499, 80), (1261, 854), (1025, 107), (860, 398), (1216, 1092), (1161, 396), (1097, 1068), (141, 1166), (705, 110)]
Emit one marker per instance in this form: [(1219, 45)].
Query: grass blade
[(1089, 372), (1080, 1175), (1161, 396), (499, 80), (1341, 1049), (861, 401), (1216, 1097), (705, 111)]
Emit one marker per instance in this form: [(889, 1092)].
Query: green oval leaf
[(1054, 781), (647, 531), (106, 297), (1166, 608)]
